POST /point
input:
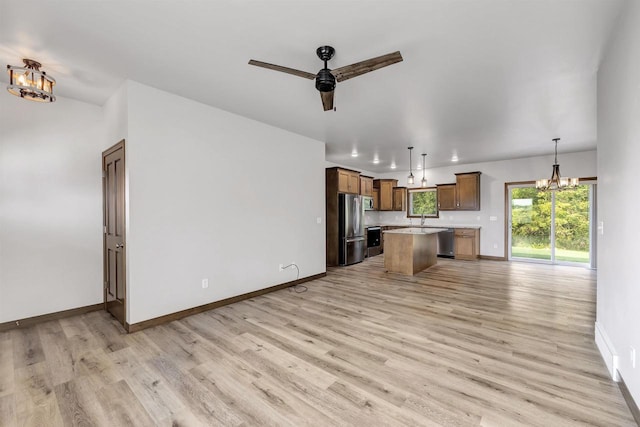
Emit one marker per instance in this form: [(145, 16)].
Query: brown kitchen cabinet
[(464, 195), (400, 198), (467, 243), (386, 228), (385, 193), (446, 197), (338, 180), (468, 191), (348, 181), (376, 199), (366, 186)]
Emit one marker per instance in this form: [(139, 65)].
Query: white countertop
[(415, 230), (474, 226)]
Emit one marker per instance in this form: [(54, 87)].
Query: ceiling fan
[(326, 78)]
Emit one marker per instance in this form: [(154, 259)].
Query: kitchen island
[(410, 250)]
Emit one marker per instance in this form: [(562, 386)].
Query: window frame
[(421, 190)]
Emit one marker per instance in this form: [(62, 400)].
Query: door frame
[(593, 180), (119, 145)]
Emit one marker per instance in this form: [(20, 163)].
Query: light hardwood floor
[(464, 343)]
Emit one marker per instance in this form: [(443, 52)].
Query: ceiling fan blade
[(327, 100), (283, 69), (363, 67)]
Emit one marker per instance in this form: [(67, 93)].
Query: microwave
[(367, 202)]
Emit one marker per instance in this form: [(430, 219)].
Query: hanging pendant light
[(556, 183), (424, 178), (30, 83), (410, 177)]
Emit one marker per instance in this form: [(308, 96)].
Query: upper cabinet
[(468, 191), (446, 197), (400, 198), (376, 199), (348, 181), (385, 193), (366, 186), (464, 195)]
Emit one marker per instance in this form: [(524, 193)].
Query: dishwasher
[(446, 243)]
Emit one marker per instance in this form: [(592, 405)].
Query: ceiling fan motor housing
[(325, 81)]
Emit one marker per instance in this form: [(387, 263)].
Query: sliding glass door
[(554, 227)]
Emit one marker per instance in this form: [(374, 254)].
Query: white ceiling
[(483, 79)]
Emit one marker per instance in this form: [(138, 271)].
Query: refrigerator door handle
[(356, 217), (354, 239)]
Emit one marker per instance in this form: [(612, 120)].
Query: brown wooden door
[(467, 243), (114, 231), (446, 197), (399, 199), (468, 191), (386, 195)]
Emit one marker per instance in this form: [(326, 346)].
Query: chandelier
[(556, 182), (30, 83)]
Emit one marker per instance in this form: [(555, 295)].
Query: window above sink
[(422, 201)]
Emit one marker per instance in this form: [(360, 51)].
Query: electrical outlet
[(495, 246), (205, 283), (319, 220), (632, 356), (280, 267)]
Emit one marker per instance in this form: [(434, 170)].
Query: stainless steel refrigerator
[(351, 229)]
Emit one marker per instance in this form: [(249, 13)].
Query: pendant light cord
[(556, 156)]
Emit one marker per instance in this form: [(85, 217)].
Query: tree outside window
[(422, 201)]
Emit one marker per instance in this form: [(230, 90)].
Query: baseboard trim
[(134, 327), (30, 321), (607, 351), (633, 407), (493, 258)]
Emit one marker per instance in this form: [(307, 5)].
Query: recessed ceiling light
[(354, 153), (419, 167), (376, 160), (454, 158), (393, 165)]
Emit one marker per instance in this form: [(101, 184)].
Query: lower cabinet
[(467, 243)]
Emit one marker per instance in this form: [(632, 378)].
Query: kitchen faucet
[(422, 219)]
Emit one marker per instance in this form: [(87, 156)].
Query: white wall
[(116, 124), (116, 116), (618, 312), (492, 200), (50, 206), (215, 195)]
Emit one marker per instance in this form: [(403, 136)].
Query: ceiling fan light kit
[(556, 182), (30, 83), (326, 78)]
